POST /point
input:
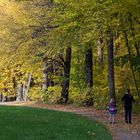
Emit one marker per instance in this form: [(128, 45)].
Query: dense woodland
[(69, 51)]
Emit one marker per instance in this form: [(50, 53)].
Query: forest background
[(70, 51)]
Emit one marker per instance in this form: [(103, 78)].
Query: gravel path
[(119, 130)]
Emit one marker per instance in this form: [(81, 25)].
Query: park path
[(119, 130)]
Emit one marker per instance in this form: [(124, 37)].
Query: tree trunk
[(1, 97), (100, 51), (89, 71), (14, 82), (50, 74), (130, 59), (27, 87), (89, 76), (111, 82), (45, 73), (19, 92), (135, 45), (66, 77)]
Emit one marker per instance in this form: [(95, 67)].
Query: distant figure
[(112, 109), (127, 99)]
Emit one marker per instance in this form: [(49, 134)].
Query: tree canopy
[(38, 30)]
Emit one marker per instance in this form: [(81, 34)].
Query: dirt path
[(120, 130)]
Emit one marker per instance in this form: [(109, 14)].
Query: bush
[(49, 95)]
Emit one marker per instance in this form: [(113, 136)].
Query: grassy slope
[(24, 123)]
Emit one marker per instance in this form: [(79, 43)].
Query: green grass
[(26, 123)]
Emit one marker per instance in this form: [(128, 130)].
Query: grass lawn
[(26, 123)]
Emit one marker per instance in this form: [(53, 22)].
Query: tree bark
[(65, 84), (111, 82), (19, 92), (135, 45), (45, 73), (1, 97), (89, 76), (100, 51), (50, 74), (27, 87), (130, 59), (89, 71)]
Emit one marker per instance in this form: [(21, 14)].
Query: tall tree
[(66, 77), (130, 59), (89, 70), (45, 73), (89, 76), (100, 51), (110, 65)]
